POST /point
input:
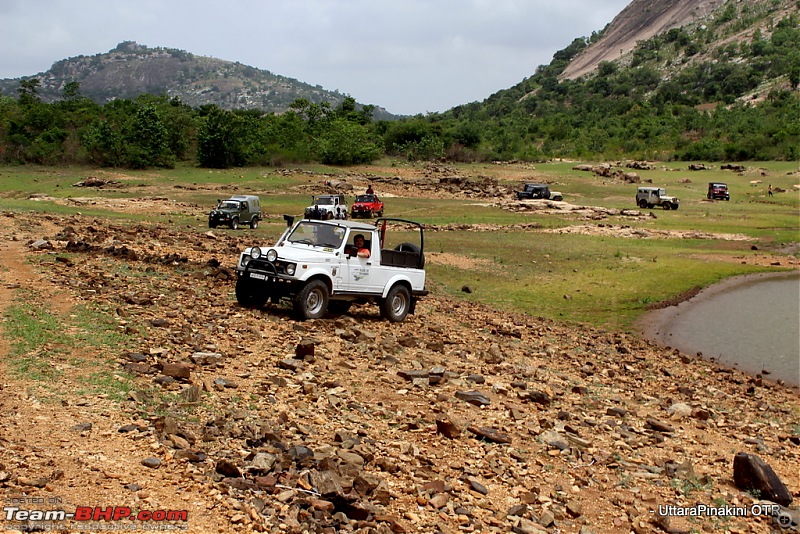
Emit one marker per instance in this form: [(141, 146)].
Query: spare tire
[(411, 247)]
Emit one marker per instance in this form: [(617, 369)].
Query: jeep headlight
[(245, 260), (290, 267), (272, 255), (255, 252)]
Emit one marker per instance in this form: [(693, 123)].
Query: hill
[(642, 20), (687, 80), (132, 69)]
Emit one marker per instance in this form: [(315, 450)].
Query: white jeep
[(326, 207), (316, 266)]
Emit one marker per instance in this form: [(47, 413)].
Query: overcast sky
[(409, 56)]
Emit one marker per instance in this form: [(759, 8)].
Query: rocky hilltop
[(150, 388), (643, 19), (132, 69)]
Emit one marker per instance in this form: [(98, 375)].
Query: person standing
[(769, 190), (370, 191)]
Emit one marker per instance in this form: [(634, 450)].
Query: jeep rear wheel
[(254, 223), (642, 203), (248, 294), (234, 223), (397, 303), (311, 302)]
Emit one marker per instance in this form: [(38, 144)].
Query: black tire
[(254, 223), (311, 302), (250, 294), (380, 213), (234, 223), (675, 206), (397, 303), (339, 307), (212, 225), (643, 203), (411, 247), (370, 214), (666, 205)]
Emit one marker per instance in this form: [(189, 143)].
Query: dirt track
[(260, 423)]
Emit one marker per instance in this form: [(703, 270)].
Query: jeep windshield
[(324, 201), (365, 198), (228, 205), (317, 234)]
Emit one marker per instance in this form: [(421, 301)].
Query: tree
[(347, 143)]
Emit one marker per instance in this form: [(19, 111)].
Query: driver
[(359, 245)]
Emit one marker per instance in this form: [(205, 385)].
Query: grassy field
[(603, 280)]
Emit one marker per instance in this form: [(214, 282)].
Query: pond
[(751, 323)]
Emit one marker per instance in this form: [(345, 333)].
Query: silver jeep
[(647, 197)]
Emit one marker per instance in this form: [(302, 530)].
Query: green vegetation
[(44, 345), (692, 93)]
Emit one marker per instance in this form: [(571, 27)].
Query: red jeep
[(366, 206)]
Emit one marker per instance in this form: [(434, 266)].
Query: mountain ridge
[(131, 69)]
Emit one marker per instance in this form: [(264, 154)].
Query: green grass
[(43, 343), (32, 332), (604, 281)]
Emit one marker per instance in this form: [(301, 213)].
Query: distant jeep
[(239, 209), (366, 206), (718, 191), (325, 207), (647, 197), (538, 191)]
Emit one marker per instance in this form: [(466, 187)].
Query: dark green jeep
[(239, 209)]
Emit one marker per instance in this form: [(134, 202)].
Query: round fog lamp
[(255, 252), (272, 255), (290, 269)]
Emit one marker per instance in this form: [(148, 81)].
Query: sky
[(408, 56)]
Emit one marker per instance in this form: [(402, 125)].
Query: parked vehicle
[(366, 206), (325, 207), (316, 266), (647, 197), (238, 209), (718, 191), (538, 191)]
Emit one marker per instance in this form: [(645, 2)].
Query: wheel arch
[(402, 280), (320, 276)]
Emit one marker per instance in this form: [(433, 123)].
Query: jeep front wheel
[(675, 206), (311, 302), (396, 304), (248, 294), (666, 205)]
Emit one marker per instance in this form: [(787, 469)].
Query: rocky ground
[(460, 419)]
